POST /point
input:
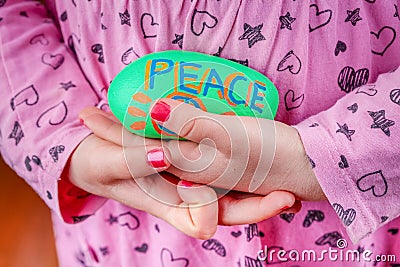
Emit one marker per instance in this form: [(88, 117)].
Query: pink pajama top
[(333, 62)]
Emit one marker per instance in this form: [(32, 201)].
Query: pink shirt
[(333, 63)]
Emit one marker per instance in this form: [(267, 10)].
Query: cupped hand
[(118, 165), (242, 153)]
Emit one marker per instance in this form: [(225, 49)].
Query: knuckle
[(189, 128)]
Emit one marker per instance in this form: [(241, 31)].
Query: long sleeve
[(42, 91), (354, 148)]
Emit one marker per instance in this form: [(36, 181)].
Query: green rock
[(211, 83)]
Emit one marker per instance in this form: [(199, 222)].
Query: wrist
[(295, 167)]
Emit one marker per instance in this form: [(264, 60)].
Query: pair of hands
[(263, 161)]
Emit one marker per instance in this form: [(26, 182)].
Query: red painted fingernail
[(185, 183), (160, 111), (81, 121), (155, 158), (284, 208)]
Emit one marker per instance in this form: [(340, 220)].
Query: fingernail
[(160, 111), (185, 183), (155, 158), (81, 121), (284, 208)]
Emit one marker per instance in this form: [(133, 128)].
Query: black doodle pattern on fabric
[(316, 16), (288, 217), (104, 251), (218, 53), (214, 245), (242, 62), (330, 238), (17, 134), (374, 181), (168, 259), (353, 16), (396, 12), (98, 49), (143, 248), (290, 62), (340, 47), (64, 16), (251, 231), (315, 124), (55, 151), (125, 18), (368, 89), (35, 159), (349, 79), (39, 39), (149, 28), (178, 40), (252, 35), (378, 47), (393, 231), (395, 96), (353, 108), (81, 258), (202, 20), (313, 216), (71, 43), (343, 164), (78, 219), (292, 102), (54, 61), (347, 216), (129, 56), (157, 228), (55, 115), (312, 163), (28, 95), (286, 21), (2, 2), (344, 129), (250, 262), (380, 121), (126, 219), (236, 234), (24, 14), (384, 219), (67, 85), (48, 195)]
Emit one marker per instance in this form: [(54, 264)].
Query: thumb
[(192, 123)]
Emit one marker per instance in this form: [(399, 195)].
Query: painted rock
[(207, 82)]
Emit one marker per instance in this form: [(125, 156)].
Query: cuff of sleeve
[(333, 178), (70, 203)]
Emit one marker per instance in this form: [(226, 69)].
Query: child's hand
[(243, 153), (102, 166)]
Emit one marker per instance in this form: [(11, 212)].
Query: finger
[(190, 122), (201, 206), (295, 208), (253, 209), (164, 202), (93, 110), (107, 127), (115, 163)]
